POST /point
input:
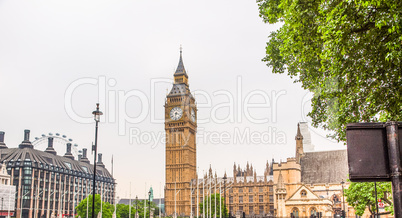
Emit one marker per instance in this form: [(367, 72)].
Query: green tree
[(107, 209), (361, 195), (122, 210), (214, 204), (347, 53)]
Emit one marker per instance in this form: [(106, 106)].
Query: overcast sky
[(58, 58)]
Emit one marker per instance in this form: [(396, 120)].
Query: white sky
[(47, 45)]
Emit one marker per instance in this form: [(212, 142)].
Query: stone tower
[(280, 193), (181, 157), (299, 144)]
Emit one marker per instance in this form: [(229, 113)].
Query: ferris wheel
[(59, 144)]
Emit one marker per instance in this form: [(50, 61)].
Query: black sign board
[(368, 152)]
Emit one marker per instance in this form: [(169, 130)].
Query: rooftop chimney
[(26, 143), (50, 148), (84, 157), (100, 163), (79, 157), (68, 153), (2, 144)]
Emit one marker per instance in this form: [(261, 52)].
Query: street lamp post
[(97, 115), (224, 195), (136, 206), (149, 203), (343, 201), (37, 197), (62, 204), (22, 203)]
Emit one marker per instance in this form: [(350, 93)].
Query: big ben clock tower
[(181, 156)]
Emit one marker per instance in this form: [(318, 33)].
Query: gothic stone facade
[(245, 192), (310, 183), (251, 194)]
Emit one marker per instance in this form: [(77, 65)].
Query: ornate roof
[(180, 68), (281, 184), (299, 136), (40, 159), (179, 89), (324, 167)]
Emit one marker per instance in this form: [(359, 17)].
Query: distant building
[(7, 191), (49, 184)]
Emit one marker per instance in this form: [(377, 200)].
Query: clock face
[(192, 115), (176, 113)]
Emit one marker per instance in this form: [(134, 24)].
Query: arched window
[(313, 211), (295, 213), (303, 193)]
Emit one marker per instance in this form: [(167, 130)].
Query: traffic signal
[(343, 214)]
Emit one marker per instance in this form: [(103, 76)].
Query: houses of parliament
[(307, 185)]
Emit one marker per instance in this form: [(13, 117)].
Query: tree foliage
[(347, 53), (123, 211), (214, 204), (107, 209), (361, 195)]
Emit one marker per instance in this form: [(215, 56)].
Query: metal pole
[(220, 200), (115, 203), (101, 195), (343, 199), (215, 198), (129, 204), (35, 200), (191, 199), (203, 197), (395, 166), (145, 206), (149, 205), (207, 203), (94, 179), (376, 201), (73, 197), (87, 203), (224, 198), (35, 206), (160, 197), (62, 204), (21, 203), (198, 196), (9, 202), (210, 199), (22, 200)]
